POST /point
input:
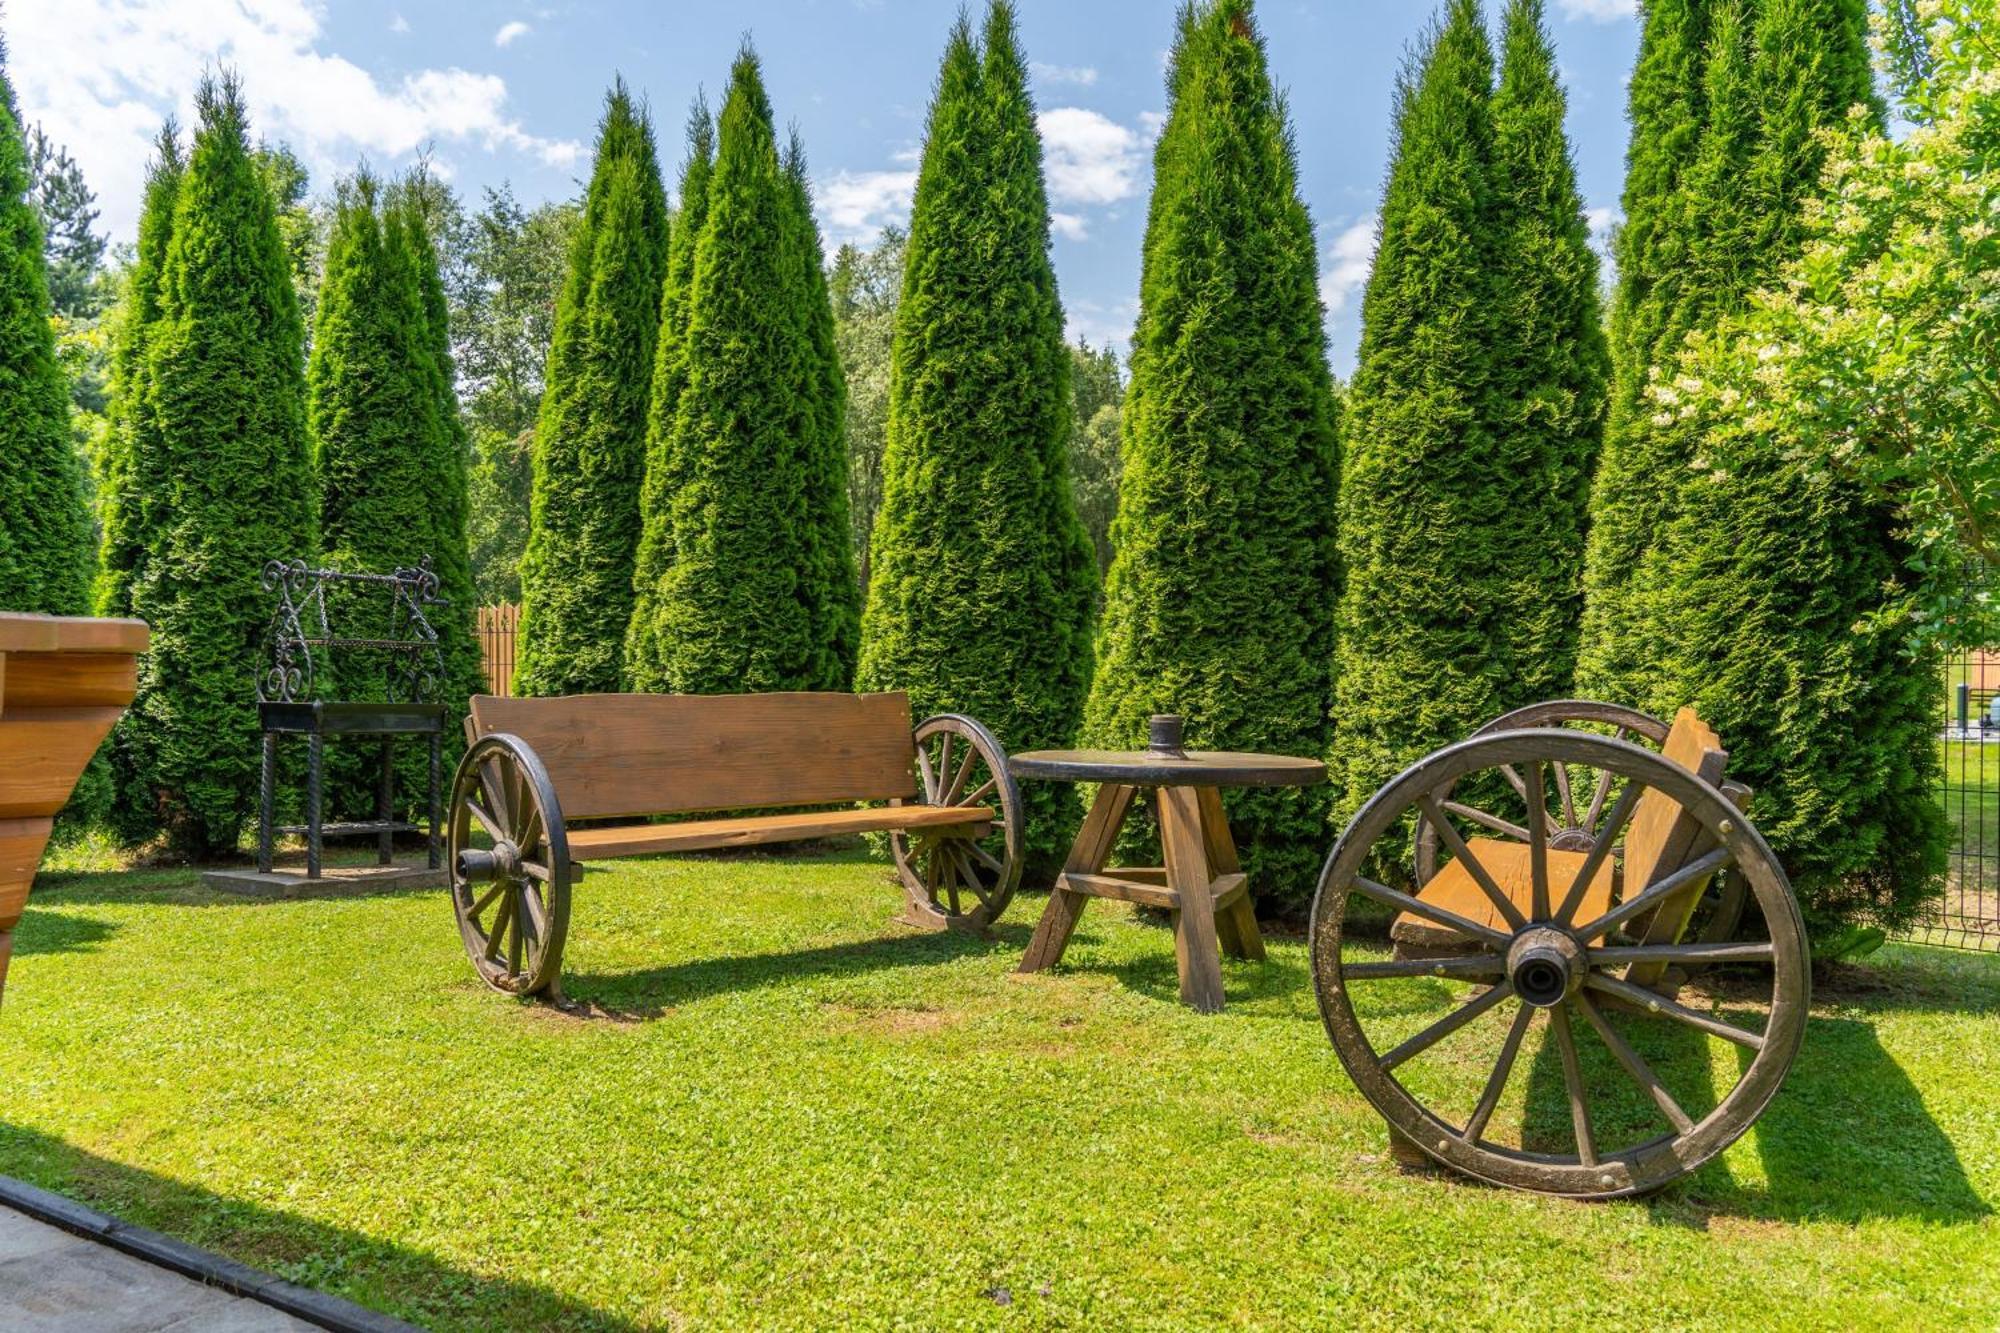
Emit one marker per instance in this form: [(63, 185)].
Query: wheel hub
[(484, 867), (1571, 840), (1546, 965)]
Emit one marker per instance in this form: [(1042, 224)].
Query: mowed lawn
[(780, 1110)]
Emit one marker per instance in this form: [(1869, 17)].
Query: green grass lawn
[(781, 1111)]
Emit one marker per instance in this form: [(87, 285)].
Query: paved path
[(52, 1280)]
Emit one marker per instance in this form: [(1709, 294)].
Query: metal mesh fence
[(1968, 917)]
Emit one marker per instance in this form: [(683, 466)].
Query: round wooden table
[(1202, 884)]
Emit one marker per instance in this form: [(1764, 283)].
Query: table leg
[(1237, 926), (1087, 856), (1195, 943)]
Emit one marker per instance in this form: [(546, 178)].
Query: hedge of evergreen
[(44, 531), (1476, 410), (226, 361), (983, 583), (746, 601), (1220, 599), (590, 439)]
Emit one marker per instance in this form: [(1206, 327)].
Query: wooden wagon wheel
[(509, 865), (948, 873), (1439, 1075), (1582, 801)]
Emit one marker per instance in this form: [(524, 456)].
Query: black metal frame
[(301, 643), (1968, 917)]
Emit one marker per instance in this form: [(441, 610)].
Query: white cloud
[(510, 33), (1100, 325), (1083, 76), (856, 205), (398, 24), (1599, 11), (1069, 226), (1344, 268), (101, 74), (1092, 159)]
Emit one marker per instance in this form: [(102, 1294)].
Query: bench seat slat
[(750, 830)]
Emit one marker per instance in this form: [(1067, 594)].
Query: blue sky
[(511, 91)]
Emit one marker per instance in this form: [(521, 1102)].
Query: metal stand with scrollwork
[(386, 629)]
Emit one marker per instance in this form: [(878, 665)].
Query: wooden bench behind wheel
[(942, 790)]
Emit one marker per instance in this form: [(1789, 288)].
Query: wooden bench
[(942, 791)]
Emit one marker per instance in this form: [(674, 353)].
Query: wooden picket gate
[(498, 627)]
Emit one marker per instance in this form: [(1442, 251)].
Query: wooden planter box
[(64, 682)]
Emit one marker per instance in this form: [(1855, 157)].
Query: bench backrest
[(1663, 837), (658, 754)]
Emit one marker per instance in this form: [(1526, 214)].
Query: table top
[(1147, 768)]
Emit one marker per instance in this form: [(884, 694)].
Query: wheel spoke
[(531, 827), (981, 792), (1496, 1083), (1579, 1103), (971, 876), (989, 860), (1538, 844), (1698, 868), (492, 778), (537, 911), (958, 781), (1514, 780), (1683, 953), (1641, 1072), (1494, 893), (496, 934), (943, 767), (472, 912), (1447, 1025), (514, 935), (1501, 826), (1597, 798), (491, 824), (1653, 1002), (1478, 967), (929, 776), (538, 870), (1563, 794), (1600, 848), (1396, 898)]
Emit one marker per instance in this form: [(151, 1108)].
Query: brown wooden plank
[(1196, 948), (1087, 855), (751, 830), (68, 680), (1111, 884), (1454, 888), (42, 754), (636, 754), (21, 844), (22, 631)]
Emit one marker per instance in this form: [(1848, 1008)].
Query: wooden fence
[(498, 626)]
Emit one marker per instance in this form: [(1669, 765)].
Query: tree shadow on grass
[(651, 992), (59, 932), (369, 1270)]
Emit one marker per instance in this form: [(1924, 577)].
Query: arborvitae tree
[(736, 605), (645, 660), (128, 478), (227, 370), (1097, 386), (833, 590), (44, 529), (590, 441), (1433, 554), (1551, 366), (1768, 585), (409, 229), (1220, 600), (1631, 494), (984, 580)]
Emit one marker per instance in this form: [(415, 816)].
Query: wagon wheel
[(1434, 1044), (949, 874), (1582, 801), (510, 867)]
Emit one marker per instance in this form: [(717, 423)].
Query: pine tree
[(590, 440), (1631, 494), (645, 659), (741, 604), (1220, 599), (226, 364), (44, 530), (128, 483), (983, 578), (1767, 587)]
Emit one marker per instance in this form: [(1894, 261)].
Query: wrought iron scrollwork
[(302, 641)]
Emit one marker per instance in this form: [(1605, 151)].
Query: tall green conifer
[(227, 367), (1220, 598), (128, 481), (645, 659), (983, 584), (590, 440), (44, 530), (741, 605)]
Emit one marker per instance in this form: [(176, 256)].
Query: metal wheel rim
[(1640, 1167), (528, 795), (973, 771)]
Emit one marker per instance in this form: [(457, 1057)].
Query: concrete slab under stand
[(333, 881)]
